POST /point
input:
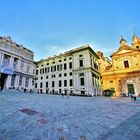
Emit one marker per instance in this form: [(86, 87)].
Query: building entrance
[(82, 92), (130, 88), (2, 80)]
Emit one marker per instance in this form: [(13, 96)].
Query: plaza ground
[(30, 116)]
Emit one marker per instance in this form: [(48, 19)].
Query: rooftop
[(9, 40)]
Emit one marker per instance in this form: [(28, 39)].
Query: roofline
[(84, 47), (8, 39)]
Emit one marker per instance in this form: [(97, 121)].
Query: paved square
[(25, 116)]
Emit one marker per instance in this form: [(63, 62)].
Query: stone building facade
[(16, 65), (122, 74), (74, 71)]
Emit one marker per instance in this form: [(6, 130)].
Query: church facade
[(122, 74)]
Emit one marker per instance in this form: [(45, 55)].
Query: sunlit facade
[(122, 74), (16, 65), (74, 71)]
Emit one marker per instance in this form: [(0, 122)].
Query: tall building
[(16, 65), (122, 74), (74, 71)]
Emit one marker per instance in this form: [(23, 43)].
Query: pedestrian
[(134, 97), (25, 90)]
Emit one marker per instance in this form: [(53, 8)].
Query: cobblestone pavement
[(25, 116)]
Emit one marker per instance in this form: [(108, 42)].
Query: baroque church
[(122, 74)]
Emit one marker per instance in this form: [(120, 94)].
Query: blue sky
[(49, 27)]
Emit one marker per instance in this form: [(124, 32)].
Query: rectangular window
[(35, 85), (82, 81), (70, 65), (6, 60), (47, 70), (46, 84), (126, 64), (53, 76), (65, 83), (57, 67), (60, 83), (65, 74), (41, 85), (60, 75), (70, 73), (71, 83), (53, 84), (15, 65), (60, 67), (81, 63), (65, 66), (81, 74), (53, 68), (42, 70), (36, 72)]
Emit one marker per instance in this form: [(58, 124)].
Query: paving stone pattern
[(25, 116)]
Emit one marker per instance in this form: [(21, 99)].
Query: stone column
[(30, 83), (19, 65), (23, 82), (17, 81), (1, 58), (8, 81), (11, 62)]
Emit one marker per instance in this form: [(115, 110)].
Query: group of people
[(67, 94)]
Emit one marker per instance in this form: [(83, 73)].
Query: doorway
[(2, 80), (130, 88), (82, 92)]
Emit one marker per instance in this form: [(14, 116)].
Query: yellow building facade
[(122, 74)]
